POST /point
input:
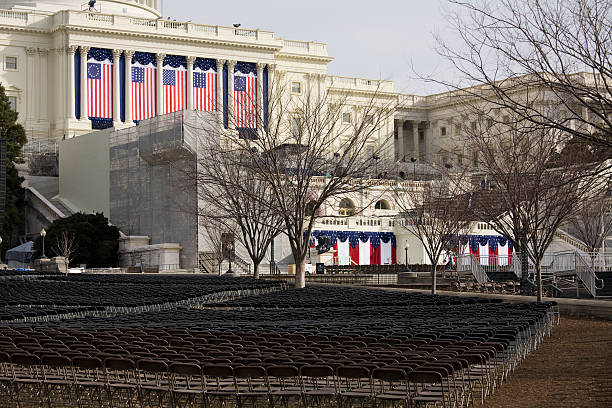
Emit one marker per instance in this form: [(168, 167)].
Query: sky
[(380, 39)]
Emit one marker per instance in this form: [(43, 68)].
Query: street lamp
[(0, 252), (43, 233), (413, 161), (406, 249)]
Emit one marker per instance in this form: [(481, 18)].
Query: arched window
[(382, 205), (310, 208), (346, 207)]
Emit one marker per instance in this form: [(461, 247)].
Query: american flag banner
[(144, 75), (174, 84), (245, 96), (205, 85), (100, 84)]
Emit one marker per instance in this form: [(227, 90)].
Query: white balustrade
[(245, 33), (104, 18), (14, 15), (295, 44)]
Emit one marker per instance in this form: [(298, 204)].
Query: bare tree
[(212, 236), (314, 148), (231, 198), (522, 191), (592, 223), (66, 245), (546, 62), (434, 215)]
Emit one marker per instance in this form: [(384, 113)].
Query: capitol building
[(80, 73), (47, 46)]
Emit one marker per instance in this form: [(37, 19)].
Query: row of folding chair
[(116, 381)]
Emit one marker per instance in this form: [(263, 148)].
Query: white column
[(116, 87), (84, 51), (128, 86), (401, 151), (58, 76), (272, 90), (260, 69), (415, 138), (70, 51), (271, 85), (230, 94), (160, 81), (30, 52), (43, 107), (428, 139), (220, 64), (190, 61)]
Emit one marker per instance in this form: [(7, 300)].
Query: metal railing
[(469, 263)]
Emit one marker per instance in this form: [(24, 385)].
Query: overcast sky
[(370, 39)]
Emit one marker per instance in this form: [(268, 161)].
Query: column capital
[(129, 53), (30, 50), (117, 53), (160, 56), (60, 51), (43, 51), (260, 66), (191, 60), (231, 64), (72, 49), (84, 49)]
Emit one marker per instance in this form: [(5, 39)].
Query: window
[(310, 208), (13, 102), (382, 205), (489, 122), (296, 87), (369, 120), (458, 129), (443, 131), (506, 119), (421, 135), (10, 63), (473, 125), (346, 207), (346, 117), (475, 159)]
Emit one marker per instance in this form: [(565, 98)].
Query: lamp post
[(413, 161), (43, 233), (0, 250), (406, 249)]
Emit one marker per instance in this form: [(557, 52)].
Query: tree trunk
[(539, 280), (433, 279), (524, 269), (300, 274), (256, 270)]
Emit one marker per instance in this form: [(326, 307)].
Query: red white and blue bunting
[(489, 250), (360, 247)]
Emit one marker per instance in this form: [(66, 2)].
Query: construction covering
[(152, 179)]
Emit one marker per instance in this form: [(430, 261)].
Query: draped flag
[(174, 84), (245, 96), (205, 85), (364, 250), (100, 84), (144, 76), (361, 247)]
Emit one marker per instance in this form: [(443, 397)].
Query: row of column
[(403, 152), (231, 64)]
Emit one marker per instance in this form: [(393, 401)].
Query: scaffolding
[(152, 179)]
